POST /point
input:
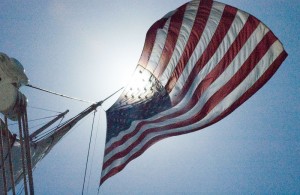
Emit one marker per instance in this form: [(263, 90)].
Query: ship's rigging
[(20, 153)]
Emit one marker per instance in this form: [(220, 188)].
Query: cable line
[(48, 110), (59, 94), (37, 119), (93, 153), (88, 154)]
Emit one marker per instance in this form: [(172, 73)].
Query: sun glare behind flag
[(199, 63)]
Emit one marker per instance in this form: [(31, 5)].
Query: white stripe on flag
[(184, 34), (160, 41)]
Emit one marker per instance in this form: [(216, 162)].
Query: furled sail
[(39, 147), (199, 63), (13, 106)]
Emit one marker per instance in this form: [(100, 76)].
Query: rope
[(27, 151), (3, 167), (37, 119), (58, 94), (112, 94), (88, 154), (21, 189), (48, 110), (60, 122), (44, 134), (11, 170), (49, 132), (92, 162), (22, 154)]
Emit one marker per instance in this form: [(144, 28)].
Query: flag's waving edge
[(199, 63)]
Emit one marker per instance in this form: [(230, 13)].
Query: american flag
[(199, 63)]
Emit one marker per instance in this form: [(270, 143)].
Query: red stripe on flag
[(254, 88), (200, 22), (173, 32), (239, 76), (228, 16), (249, 27), (149, 42)]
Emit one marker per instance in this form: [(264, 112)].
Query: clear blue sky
[(89, 49)]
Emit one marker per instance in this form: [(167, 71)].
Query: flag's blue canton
[(143, 98)]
